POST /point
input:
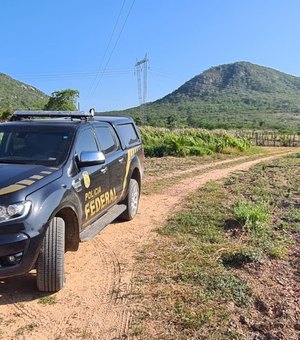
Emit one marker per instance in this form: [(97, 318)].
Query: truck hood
[(19, 180)]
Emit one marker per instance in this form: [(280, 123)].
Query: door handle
[(121, 160), (76, 184), (104, 170)]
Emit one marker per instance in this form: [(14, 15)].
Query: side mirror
[(89, 158)]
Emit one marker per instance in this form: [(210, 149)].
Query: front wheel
[(131, 201), (50, 263)]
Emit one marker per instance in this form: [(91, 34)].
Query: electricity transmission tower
[(140, 69)]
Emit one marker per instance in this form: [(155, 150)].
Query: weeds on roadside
[(252, 215), (193, 287), (264, 206), (187, 278), (48, 300), (26, 329), (161, 142)]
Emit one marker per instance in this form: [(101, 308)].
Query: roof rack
[(18, 115)]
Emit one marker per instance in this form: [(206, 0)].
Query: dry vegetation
[(227, 265)]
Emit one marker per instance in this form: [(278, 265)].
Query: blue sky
[(81, 44)]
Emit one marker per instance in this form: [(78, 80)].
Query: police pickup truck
[(64, 176)]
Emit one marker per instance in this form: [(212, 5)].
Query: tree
[(171, 121), (5, 115), (64, 100)]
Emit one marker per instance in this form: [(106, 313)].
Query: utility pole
[(141, 68)]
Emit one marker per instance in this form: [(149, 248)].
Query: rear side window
[(106, 138), (128, 134)]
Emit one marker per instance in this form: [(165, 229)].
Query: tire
[(131, 201), (50, 263)]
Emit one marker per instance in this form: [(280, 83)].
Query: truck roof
[(113, 119), (65, 117)]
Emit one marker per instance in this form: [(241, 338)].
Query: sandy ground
[(94, 303)]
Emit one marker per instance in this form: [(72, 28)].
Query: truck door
[(91, 183), (114, 155)]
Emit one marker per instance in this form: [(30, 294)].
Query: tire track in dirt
[(164, 205), (100, 276), (94, 304), (17, 316), (93, 276), (151, 179), (194, 168)]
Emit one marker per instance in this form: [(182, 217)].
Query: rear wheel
[(50, 263), (131, 201)]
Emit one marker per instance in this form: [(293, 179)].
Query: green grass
[(189, 262), (162, 142), (163, 183), (165, 165), (189, 277), (26, 329), (291, 219), (48, 300), (251, 214), (265, 205)]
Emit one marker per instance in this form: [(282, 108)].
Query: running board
[(93, 229)]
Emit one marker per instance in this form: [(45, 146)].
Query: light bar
[(50, 114)]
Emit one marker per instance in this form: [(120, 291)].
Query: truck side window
[(107, 140), (85, 142), (128, 134)]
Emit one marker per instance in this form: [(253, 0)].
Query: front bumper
[(18, 253)]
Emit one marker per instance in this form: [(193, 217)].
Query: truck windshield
[(43, 145)]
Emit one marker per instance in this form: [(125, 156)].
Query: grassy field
[(202, 277), (161, 142)]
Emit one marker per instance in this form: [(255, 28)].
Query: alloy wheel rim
[(134, 199)]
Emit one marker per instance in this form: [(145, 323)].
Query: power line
[(106, 49), (87, 74), (70, 75), (163, 74), (114, 47)]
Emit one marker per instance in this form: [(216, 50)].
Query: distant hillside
[(243, 84), (16, 95), (231, 96)]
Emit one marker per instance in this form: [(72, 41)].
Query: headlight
[(14, 211)]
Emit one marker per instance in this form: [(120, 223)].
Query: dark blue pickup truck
[(64, 176)]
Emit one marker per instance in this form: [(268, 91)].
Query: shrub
[(160, 142), (251, 214)]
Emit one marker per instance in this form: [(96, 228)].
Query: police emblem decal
[(86, 179)]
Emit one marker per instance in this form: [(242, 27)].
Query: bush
[(160, 142)]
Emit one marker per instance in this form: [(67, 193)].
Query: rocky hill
[(17, 95), (234, 95), (243, 84)]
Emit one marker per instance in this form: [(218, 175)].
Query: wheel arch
[(136, 174), (71, 228)]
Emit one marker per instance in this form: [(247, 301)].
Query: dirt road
[(94, 304)]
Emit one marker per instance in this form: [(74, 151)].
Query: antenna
[(141, 67)]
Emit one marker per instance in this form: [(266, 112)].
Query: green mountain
[(237, 95), (16, 95), (244, 84)]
